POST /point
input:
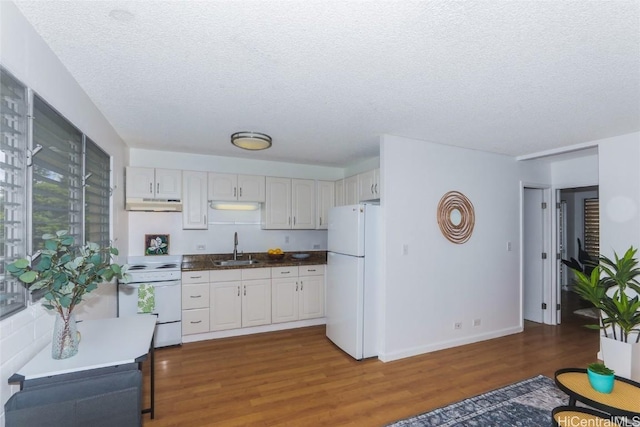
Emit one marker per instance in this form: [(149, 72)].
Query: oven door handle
[(154, 284)]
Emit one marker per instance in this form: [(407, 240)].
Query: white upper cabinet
[(351, 190), (150, 183), (339, 190), (194, 200), (303, 204), (289, 204), (231, 187), (325, 192), (369, 185)]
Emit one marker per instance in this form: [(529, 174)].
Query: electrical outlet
[(457, 325), (477, 322), (286, 239), (316, 246), (201, 247), (405, 249)]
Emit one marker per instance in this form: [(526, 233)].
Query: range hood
[(153, 205)]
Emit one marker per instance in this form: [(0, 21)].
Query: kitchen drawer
[(195, 277), (291, 271), (311, 270), (256, 273), (195, 321), (230, 275), (195, 296)]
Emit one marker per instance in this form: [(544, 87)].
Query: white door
[(256, 302), (194, 200), (346, 230), (284, 299), (326, 200), (345, 303), (311, 297), (251, 188), (277, 207), (225, 306), (140, 182), (223, 187), (533, 248), (168, 184), (303, 204)]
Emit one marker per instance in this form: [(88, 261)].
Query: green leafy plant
[(600, 368), (67, 272), (606, 288)]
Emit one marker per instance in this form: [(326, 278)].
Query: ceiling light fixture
[(251, 140)]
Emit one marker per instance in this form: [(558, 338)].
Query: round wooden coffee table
[(623, 401)]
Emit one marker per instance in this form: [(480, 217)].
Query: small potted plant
[(66, 273), (600, 377)]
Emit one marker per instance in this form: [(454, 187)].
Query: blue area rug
[(525, 404)]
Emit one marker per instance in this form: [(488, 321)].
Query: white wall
[(25, 55), (619, 158), (438, 282), (222, 225)]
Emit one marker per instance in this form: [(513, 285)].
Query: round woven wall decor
[(456, 217)]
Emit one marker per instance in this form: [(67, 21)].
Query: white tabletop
[(104, 342)]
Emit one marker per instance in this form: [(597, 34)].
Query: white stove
[(163, 273)]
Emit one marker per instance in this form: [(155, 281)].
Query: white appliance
[(163, 272), (353, 278)]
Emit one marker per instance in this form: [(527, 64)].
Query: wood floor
[(299, 378)]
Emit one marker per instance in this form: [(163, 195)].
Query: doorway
[(534, 253), (578, 237)]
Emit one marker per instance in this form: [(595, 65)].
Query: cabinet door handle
[(285, 272), (192, 322), (301, 284), (320, 220), (195, 277), (294, 221), (376, 188), (371, 188), (240, 191), (245, 290), (311, 269), (151, 188), (235, 192), (238, 290), (196, 296), (157, 188)]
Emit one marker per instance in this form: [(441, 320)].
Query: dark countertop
[(205, 262)]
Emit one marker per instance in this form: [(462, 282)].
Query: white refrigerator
[(353, 278)]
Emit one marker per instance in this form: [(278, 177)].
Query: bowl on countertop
[(300, 256), (276, 257)]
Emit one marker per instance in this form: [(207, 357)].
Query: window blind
[(592, 227), (56, 176), (13, 226), (96, 194)]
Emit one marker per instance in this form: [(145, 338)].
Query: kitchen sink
[(236, 262)]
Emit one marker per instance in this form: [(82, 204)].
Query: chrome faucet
[(235, 246)]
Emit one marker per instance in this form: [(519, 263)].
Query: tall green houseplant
[(607, 289), (66, 273)]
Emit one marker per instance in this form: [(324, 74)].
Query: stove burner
[(168, 266)]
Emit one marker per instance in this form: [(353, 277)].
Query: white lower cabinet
[(195, 302), (219, 300), (298, 293)]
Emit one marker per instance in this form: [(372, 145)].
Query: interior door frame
[(548, 239)]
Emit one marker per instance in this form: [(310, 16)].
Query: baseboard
[(415, 351)]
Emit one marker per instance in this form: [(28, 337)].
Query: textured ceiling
[(326, 78)]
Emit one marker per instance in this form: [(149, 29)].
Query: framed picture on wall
[(156, 244)]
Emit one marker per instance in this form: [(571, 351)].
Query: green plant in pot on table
[(66, 273), (601, 377), (613, 289)]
